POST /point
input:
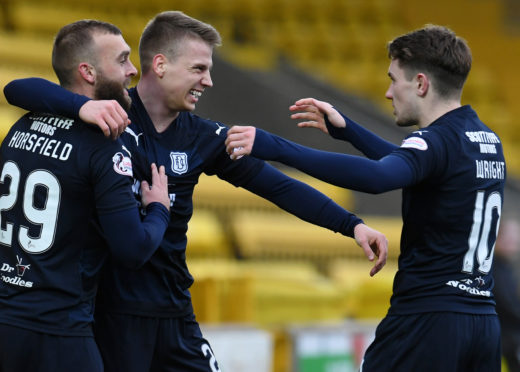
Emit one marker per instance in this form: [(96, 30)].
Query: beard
[(110, 89)]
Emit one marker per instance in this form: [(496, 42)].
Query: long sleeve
[(40, 95), (353, 172), (288, 194), (370, 144), (132, 242)]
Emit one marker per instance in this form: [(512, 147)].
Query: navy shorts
[(447, 342), (25, 350), (132, 343)]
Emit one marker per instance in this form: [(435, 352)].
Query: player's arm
[(36, 94), (312, 113), (318, 209), (132, 242), (353, 172)]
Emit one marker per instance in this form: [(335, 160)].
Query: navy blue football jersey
[(189, 147), (56, 175), (453, 175), (450, 216)]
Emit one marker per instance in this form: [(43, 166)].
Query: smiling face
[(186, 76), (403, 93), (114, 70)]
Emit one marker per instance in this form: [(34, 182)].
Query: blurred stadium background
[(302, 293)]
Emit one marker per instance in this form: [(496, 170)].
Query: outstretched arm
[(353, 172), (313, 113), (318, 209), (36, 94)]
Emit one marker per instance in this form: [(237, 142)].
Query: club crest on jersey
[(179, 162), (415, 143), (122, 164)]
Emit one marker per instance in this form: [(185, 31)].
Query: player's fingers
[(304, 110), (235, 150), (118, 113), (113, 124), (305, 101), (371, 256), (121, 121), (237, 153), (377, 267), (367, 249), (380, 246), (234, 141), (123, 114), (231, 145), (230, 149), (296, 107), (232, 136), (155, 174), (162, 170), (308, 124), (235, 129), (380, 263), (162, 175), (101, 123), (306, 115), (115, 117)]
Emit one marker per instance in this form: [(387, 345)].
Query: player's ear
[(87, 72), (159, 64), (422, 84)]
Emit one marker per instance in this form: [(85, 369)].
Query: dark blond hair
[(166, 31)]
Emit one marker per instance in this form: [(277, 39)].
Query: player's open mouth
[(195, 93)]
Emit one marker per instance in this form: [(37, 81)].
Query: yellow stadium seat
[(207, 237), (366, 297), (25, 50), (283, 236), (266, 293)]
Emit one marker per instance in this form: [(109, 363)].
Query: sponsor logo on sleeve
[(415, 143), (122, 164)]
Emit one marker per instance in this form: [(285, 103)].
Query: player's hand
[(312, 113), (240, 141), (158, 190), (374, 244), (107, 115)]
